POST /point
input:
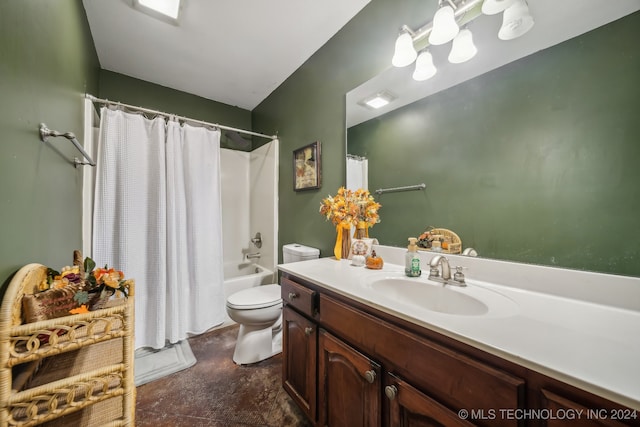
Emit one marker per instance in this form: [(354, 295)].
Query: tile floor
[(217, 392)]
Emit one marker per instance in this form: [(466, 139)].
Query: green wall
[(310, 106), (47, 62), (132, 91), (536, 161), (559, 174)]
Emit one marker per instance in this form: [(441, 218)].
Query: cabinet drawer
[(298, 296), (454, 379)]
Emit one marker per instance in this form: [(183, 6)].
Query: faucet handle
[(458, 276), (257, 241)]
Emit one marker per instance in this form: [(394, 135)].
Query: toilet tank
[(294, 252)]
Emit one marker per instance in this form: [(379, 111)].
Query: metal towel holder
[(406, 188), (45, 133)]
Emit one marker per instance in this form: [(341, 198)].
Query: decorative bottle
[(412, 260)]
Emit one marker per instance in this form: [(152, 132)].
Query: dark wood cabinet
[(578, 415), (299, 340), (349, 364), (348, 385), (455, 380), (409, 407)]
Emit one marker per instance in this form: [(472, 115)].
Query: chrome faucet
[(253, 256), (434, 273)]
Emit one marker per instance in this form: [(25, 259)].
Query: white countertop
[(590, 345)]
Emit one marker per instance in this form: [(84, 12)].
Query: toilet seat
[(255, 298)]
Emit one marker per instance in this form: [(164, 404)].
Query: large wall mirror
[(529, 151)]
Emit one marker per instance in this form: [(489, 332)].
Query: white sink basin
[(423, 294)]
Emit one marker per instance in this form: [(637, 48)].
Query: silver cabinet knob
[(391, 391), (308, 331), (293, 295), (370, 376)]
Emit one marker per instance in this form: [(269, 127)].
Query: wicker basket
[(454, 244)]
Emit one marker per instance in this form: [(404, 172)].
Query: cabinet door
[(299, 341), (568, 413), (349, 390), (408, 407)]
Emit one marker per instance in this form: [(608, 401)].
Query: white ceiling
[(231, 51), (555, 21)]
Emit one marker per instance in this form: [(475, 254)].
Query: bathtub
[(244, 276)]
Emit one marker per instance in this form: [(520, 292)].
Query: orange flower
[(110, 277), (82, 309)]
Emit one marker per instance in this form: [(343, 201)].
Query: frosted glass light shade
[(445, 27), (404, 53), (491, 7), (424, 67), (516, 21), (462, 48)]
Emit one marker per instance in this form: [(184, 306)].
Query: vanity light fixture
[(165, 10), (378, 100), (424, 67), (445, 26)]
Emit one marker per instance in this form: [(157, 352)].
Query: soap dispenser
[(412, 260)]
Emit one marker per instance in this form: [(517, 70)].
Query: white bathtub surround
[(263, 212), (575, 326), (249, 205)]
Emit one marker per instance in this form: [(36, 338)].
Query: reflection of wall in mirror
[(535, 161)]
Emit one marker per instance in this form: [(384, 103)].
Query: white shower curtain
[(195, 294), (157, 217)]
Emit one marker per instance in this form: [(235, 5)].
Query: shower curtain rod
[(186, 119)]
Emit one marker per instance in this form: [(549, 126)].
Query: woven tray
[(454, 242)]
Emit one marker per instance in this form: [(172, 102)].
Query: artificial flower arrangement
[(94, 284), (350, 207), (347, 208)]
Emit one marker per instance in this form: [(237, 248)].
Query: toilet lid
[(253, 298)]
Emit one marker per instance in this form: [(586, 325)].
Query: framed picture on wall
[(306, 167)]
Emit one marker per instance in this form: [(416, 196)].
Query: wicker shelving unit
[(75, 370)]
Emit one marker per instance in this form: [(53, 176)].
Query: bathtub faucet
[(253, 256)]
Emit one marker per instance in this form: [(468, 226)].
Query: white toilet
[(258, 310)]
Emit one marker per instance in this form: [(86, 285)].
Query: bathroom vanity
[(373, 348)]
